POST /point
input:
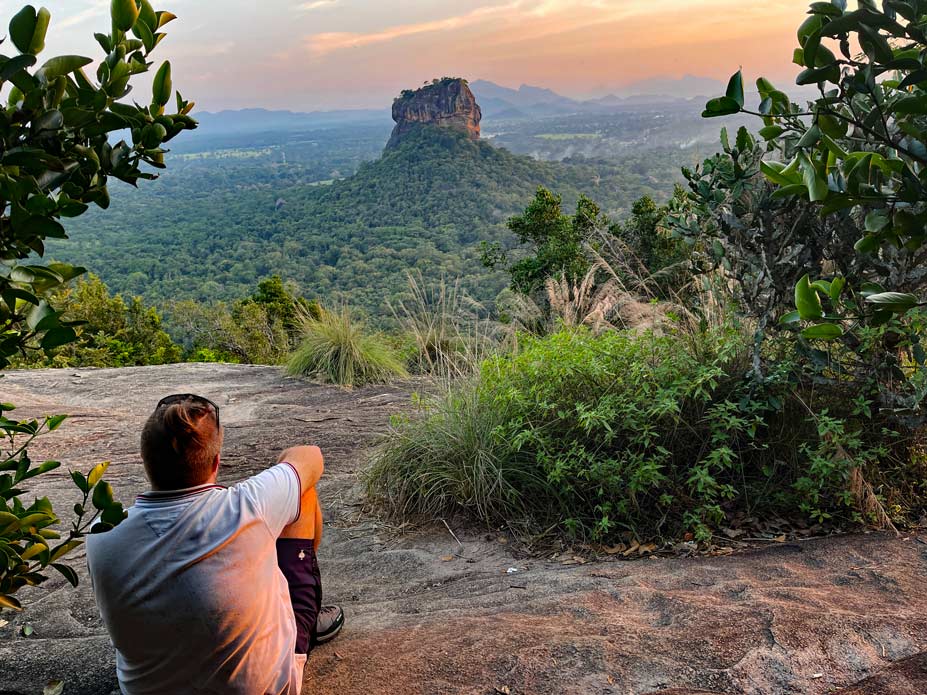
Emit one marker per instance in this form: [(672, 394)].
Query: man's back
[(189, 589)]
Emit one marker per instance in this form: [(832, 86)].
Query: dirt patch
[(427, 615)]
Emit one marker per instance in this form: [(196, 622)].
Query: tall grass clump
[(337, 348), (444, 325), (657, 435)]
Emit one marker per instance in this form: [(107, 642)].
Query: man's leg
[(297, 560)]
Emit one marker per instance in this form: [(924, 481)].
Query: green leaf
[(721, 106), (790, 318), (807, 301), (124, 14), (876, 221), (771, 132), (868, 244), (822, 331), (57, 336), (836, 288), (80, 481), (161, 87), (15, 65), (113, 514), (67, 573), (898, 302), (54, 422), (59, 551), (22, 28), (37, 45), (102, 495), (63, 65), (735, 88), (817, 185)]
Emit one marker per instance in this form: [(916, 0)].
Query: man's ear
[(215, 464)]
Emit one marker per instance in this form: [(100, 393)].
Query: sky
[(309, 55)]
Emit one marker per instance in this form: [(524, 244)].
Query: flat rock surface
[(428, 615)]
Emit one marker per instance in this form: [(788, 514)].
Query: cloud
[(316, 5), (95, 10), (329, 42)]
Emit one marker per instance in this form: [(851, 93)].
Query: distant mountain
[(526, 101)]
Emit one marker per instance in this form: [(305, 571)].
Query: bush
[(337, 348), (30, 536), (600, 435), (110, 332)]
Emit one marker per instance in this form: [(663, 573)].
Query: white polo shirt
[(190, 592)]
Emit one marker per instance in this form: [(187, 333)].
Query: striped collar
[(155, 496)]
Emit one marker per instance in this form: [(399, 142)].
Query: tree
[(55, 161), (853, 161), (110, 331), (56, 156), (860, 146), (556, 240)]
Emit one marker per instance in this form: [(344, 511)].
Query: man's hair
[(180, 442)]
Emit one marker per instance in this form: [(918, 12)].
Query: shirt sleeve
[(275, 495)]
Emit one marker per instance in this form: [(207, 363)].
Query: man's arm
[(309, 465), (308, 462)]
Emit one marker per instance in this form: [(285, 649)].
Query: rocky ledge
[(431, 613), (447, 103)]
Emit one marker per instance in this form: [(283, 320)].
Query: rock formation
[(447, 103)]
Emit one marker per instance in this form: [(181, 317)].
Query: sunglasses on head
[(182, 397)]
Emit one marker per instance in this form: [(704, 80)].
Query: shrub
[(110, 332), (337, 348), (30, 537), (442, 332), (656, 435)]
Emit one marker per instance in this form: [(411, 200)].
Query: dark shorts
[(296, 559)]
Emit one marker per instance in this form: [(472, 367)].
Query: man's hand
[(308, 462)]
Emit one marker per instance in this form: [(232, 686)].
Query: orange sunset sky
[(327, 54)]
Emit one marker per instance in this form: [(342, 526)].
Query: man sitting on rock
[(208, 589)]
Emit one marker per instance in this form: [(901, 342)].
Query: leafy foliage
[(601, 435), (222, 221), (337, 348), (556, 241), (110, 332), (260, 329), (30, 537), (845, 203), (57, 158)]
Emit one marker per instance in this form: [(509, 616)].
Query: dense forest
[(223, 219)]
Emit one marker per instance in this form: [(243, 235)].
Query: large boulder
[(447, 103)]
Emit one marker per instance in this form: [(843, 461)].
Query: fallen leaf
[(780, 539), (634, 546), (816, 676), (615, 549), (53, 688), (447, 558), (503, 690), (649, 548)]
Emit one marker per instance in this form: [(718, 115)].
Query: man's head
[(181, 442)]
